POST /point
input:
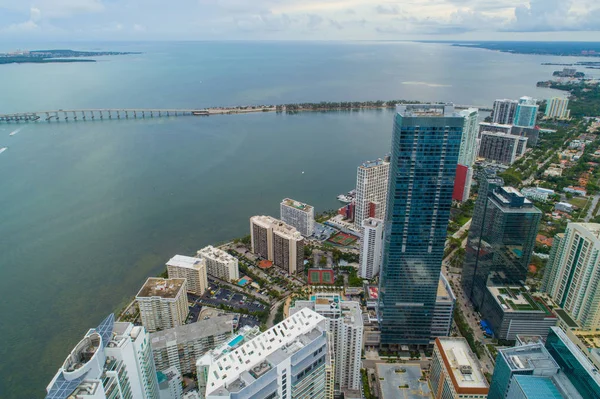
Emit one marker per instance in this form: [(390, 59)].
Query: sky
[(131, 20)]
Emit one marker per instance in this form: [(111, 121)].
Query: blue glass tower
[(425, 147)]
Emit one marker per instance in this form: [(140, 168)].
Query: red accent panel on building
[(372, 209), (459, 182)]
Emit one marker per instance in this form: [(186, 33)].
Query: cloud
[(139, 28), (553, 16), (387, 10), (35, 15)]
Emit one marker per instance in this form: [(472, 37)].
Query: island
[(54, 56), (578, 49)]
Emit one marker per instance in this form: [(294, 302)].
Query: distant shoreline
[(54, 56)]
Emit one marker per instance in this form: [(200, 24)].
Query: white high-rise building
[(572, 275), (169, 383), (298, 215), (191, 269), (526, 115), (278, 242), (469, 147), (112, 361), (163, 303), (346, 328), (557, 108), (220, 264), (371, 247), (372, 179), (504, 111), (291, 360)]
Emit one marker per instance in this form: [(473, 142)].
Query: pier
[(98, 114)]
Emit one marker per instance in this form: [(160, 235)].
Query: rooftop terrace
[(518, 299), (297, 204), (160, 287)]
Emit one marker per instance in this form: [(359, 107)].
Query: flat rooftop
[(160, 287), (374, 163), (297, 204), (529, 357), (464, 365), (566, 318), (215, 253), (518, 299), (187, 262), (427, 110), (279, 227), (191, 332), (394, 376)]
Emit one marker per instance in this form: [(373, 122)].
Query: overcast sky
[(299, 19)]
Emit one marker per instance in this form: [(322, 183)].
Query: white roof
[(184, 261), (228, 367), (458, 354)]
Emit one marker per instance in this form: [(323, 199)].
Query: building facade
[(372, 180), (504, 111), (572, 275), (443, 312), (290, 360), (278, 242), (346, 329), (455, 371), (557, 108), (169, 383), (163, 303), (500, 241), (501, 147), (466, 156), (425, 146), (526, 115), (191, 269), (112, 361), (298, 215), (182, 346), (219, 263), (371, 247)]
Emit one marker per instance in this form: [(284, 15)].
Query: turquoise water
[(88, 210), (236, 341)]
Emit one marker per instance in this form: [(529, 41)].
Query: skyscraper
[(298, 215), (572, 274), (371, 191), (278, 242), (371, 247), (501, 147), (191, 269), (467, 155), (219, 263), (504, 111), (425, 146), (163, 303), (112, 361), (557, 108), (526, 115)]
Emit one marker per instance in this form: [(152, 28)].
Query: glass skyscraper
[(425, 146)]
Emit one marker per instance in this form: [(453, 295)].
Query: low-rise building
[(553, 170), (219, 263), (575, 191), (163, 303), (191, 269), (564, 207), (455, 371), (537, 193)]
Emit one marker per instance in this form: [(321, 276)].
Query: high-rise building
[(278, 242), (425, 146), (169, 383), (298, 215), (290, 360), (372, 180), (467, 155), (500, 241), (346, 329), (191, 269), (443, 311), (112, 361), (572, 274), (455, 371), (182, 346), (219, 263), (501, 147), (526, 114), (163, 303), (558, 108), (371, 247), (504, 111)]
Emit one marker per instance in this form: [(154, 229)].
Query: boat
[(14, 132), (344, 199), (3, 149)]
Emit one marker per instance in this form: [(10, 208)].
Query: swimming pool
[(236, 341)]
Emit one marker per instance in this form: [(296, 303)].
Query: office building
[(455, 371), (501, 147), (112, 361), (573, 272), (526, 115), (371, 246), (169, 383), (443, 312), (504, 111), (557, 108), (467, 155), (278, 242), (163, 303), (500, 241), (372, 180), (182, 346), (219, 263), (425, 146), (298, 215), (191, 269), (346, 328), (290, 360)]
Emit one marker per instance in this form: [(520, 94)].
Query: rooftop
[(376, 162), (332, 306), (427, 110), (538, 386), (160, 287), (530, 339), (402, 381), (185, 261), (190, 332), (518, 299), (297, 204), (372, 222), (280, 228), (444, 290), (565, 317), (215, 253), (529, 357), (463, 365)]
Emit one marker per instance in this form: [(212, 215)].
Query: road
[(273, 312)]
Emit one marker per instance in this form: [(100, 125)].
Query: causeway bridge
[(99, 114)]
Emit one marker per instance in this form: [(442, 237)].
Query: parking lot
[(224, 296)]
